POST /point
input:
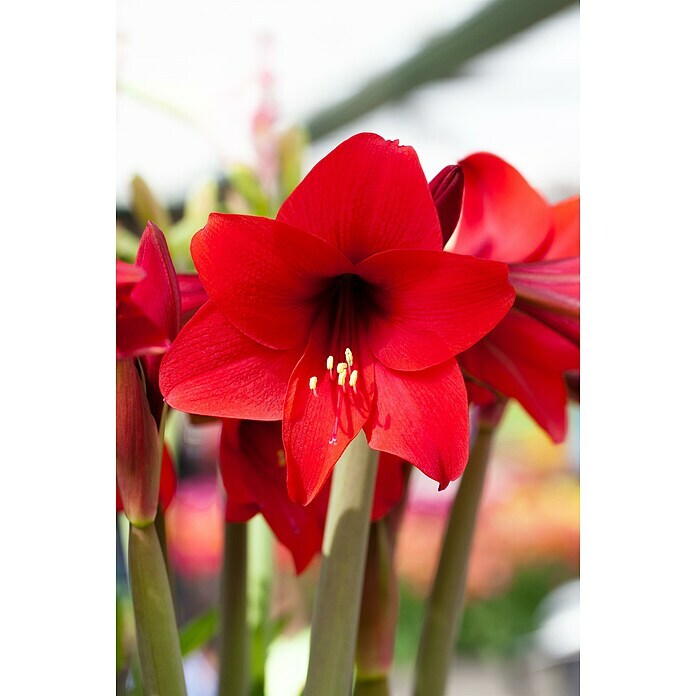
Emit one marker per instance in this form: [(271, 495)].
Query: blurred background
[(223, 106)]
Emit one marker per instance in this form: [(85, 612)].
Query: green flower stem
[(161, 528), (234, 641), (158, 640), (443, 613), (337, 604), (372, 687)]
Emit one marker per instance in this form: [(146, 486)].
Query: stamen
[(329, 366), (313, 385), (280, 454), (341, 367), (342, 380), (349, 358), (353, 379)]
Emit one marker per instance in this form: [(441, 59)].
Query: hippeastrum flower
[(148, 304), (340, 315), (529, 354), (252, 464)]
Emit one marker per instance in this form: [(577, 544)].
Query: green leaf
[(199, 631), (126, 244), (291, 148), (247, 185)]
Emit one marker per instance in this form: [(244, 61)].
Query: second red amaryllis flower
[(342, 314), (528, 355)]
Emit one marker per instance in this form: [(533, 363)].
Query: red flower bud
[(446, 189), (137, 463)]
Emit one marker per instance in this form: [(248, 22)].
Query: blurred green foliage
[(493, 627), (240, 191)]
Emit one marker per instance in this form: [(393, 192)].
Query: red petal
[(137, 468), (167, 487), (158, 292), (550, 292), (213, 369), (389, 487), (566, 223), (252, 466), (367, 195), (525, 360), (135, 334), (433, 305), (503, 217), (193, 295), (446, 189), (423, 418), (266, 277), (308, 421), (127, 276)]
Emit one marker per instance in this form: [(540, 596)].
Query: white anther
[(349, 357), (341, 367), (342, 378), (353, 378), (329, 362), (313, 385)]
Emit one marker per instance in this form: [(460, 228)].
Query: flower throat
[(345, 302)]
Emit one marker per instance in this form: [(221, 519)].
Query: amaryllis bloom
[(148, 304), (342, 314), (528, 355), (252, 464)]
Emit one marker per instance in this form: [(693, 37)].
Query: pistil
[(345, 373)]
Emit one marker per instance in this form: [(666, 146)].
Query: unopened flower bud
[(446, 189), (137, 463)]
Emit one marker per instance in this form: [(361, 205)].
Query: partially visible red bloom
[(148, 317), (252, 464), (351, 273), (527, 356)]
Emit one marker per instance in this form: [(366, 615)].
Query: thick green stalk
[(443, 613), (337, 604), (260, 572), (372, 687), (234, 641), (158, 640)]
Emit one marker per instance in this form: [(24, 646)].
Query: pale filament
[(344, 373)]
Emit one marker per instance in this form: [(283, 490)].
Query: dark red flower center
[(348, 303)]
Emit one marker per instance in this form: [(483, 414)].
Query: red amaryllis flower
[(252, 464), (343, 313), (528, 354), (148, 304)]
